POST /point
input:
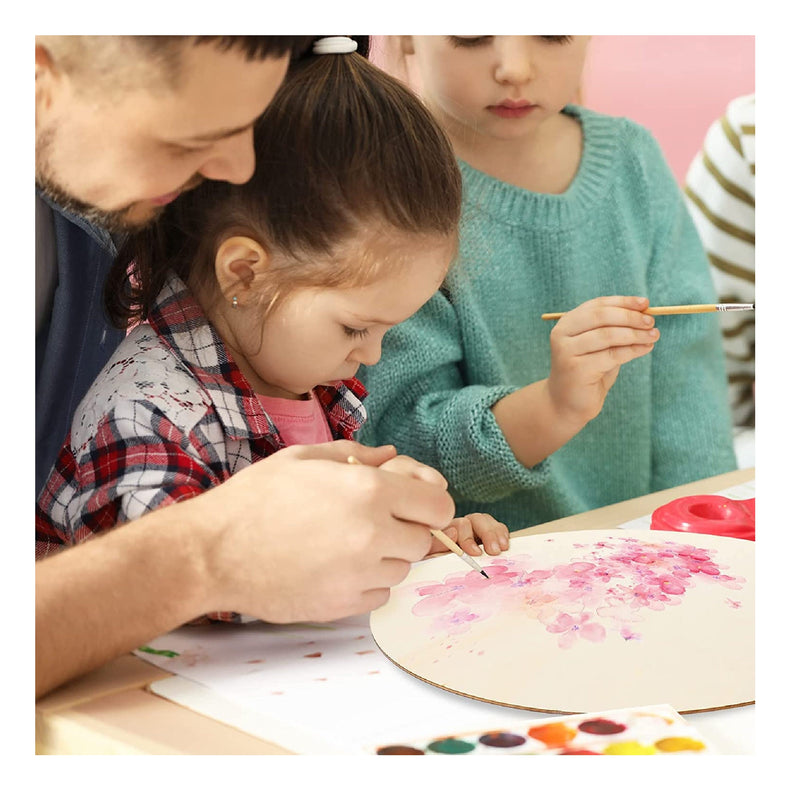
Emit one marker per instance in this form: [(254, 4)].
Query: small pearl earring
[(235, 302)]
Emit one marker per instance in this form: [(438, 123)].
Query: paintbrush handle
[(473, 563), (702, 308), (448, 542), (454, 546), (660, 311)]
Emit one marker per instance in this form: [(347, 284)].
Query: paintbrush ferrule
[(473, 563)]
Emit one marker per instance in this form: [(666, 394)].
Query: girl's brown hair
[(342, 146)]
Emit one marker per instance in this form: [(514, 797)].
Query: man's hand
[(305, 536)]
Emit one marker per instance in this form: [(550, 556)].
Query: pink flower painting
[(602, 592)]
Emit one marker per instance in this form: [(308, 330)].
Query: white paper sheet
[(311, 688)]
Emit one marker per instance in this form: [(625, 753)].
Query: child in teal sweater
[(564, 209)]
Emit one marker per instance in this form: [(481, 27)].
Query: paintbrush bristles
[(454, 546)]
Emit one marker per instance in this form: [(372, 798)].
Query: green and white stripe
[(720, 191)]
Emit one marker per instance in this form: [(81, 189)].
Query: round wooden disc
[(583, 620)]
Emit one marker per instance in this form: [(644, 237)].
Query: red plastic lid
[(708, 513)]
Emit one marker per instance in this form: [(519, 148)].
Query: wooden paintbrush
[(443, 538), (450, 544), (660, 311)]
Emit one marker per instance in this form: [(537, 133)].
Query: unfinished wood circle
[(583, 620)]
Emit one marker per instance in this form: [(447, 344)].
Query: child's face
[(317, 336), (500, 87)]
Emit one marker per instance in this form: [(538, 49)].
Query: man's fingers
[(372, 599), (388, 573), (419, 501), (341, 450), (403, 465), (405, 541)]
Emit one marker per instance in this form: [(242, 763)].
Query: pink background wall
[(675, 86)]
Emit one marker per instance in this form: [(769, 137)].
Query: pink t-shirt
[(299, 421)]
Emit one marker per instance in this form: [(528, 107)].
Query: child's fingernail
[(647, 319)]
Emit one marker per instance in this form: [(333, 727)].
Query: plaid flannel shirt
[(169, 416)]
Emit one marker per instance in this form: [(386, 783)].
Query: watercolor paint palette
[(647, 730)]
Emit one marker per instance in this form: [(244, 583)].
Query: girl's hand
[(588, 345), (473, 530)]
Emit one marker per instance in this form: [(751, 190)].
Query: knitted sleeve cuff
[(474, 452)]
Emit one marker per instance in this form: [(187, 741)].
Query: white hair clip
[(334, 44)]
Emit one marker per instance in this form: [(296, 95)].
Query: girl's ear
[(240, 262)]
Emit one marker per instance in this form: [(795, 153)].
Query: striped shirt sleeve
[(720, 192)]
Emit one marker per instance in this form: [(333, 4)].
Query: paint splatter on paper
[(283, 655), (165, 653)]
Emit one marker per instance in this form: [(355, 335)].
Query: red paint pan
[(708, 513)]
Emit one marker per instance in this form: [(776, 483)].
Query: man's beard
[(116, 221)]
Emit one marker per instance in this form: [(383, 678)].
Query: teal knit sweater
[(621, 228)]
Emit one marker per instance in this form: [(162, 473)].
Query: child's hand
[(473, 530), (588, 345)]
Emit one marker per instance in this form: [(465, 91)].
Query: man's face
[(119, 163)]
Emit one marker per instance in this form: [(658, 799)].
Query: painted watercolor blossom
[(603, 591)]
